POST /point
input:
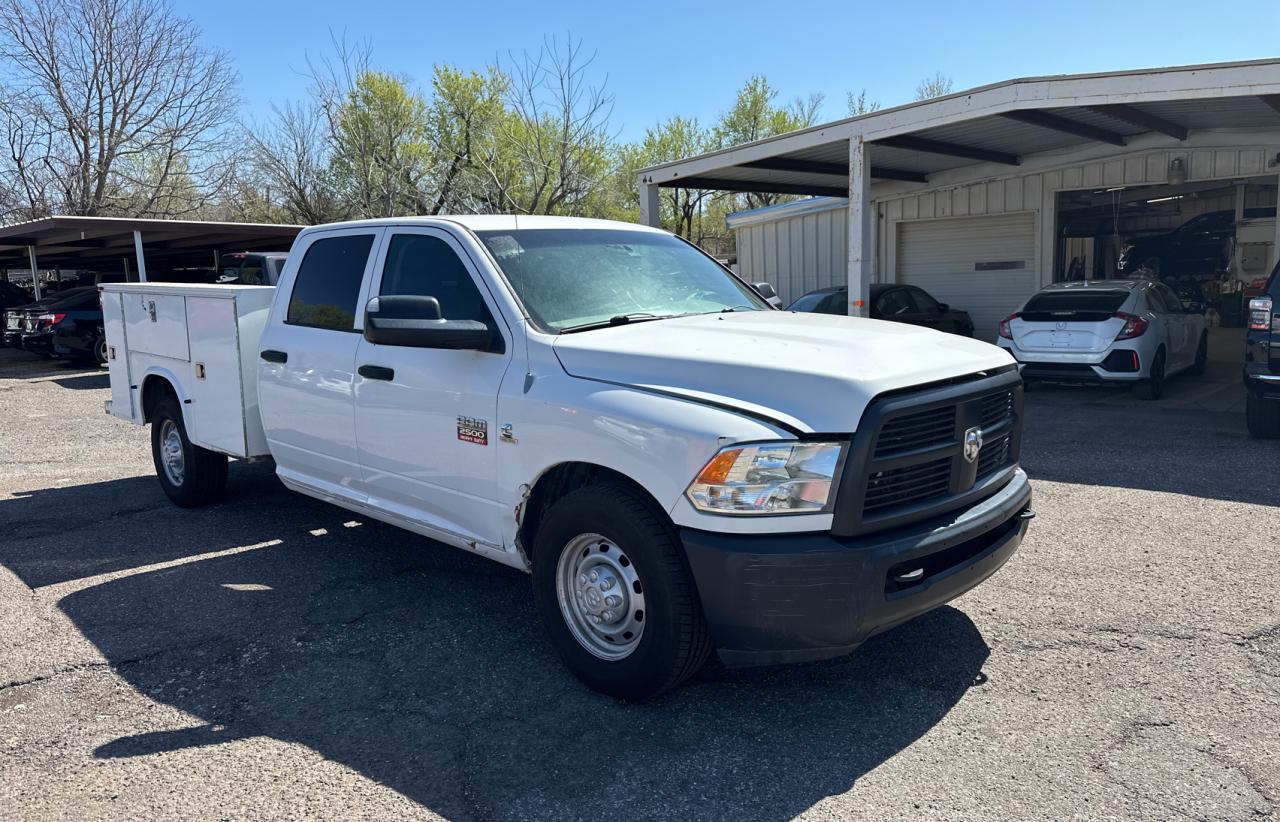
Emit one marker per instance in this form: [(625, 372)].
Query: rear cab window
[(326, 290), (1080, 306)]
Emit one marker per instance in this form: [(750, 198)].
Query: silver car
[(1107, 331)]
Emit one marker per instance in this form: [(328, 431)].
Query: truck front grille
[(921, 453)]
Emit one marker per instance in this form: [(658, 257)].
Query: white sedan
[(1107, 331)]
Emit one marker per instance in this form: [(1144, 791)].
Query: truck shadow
[(424, 668)]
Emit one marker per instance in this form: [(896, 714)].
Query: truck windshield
[(571, 278)]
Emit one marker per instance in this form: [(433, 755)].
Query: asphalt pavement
[(275, 657)]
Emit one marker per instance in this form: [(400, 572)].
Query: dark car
[(76, 331), (1197, 247), (898, 303), (39, 320), (1262, 361), (251, 268)]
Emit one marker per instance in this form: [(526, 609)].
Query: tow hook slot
[(914, 575), (1026, 513)]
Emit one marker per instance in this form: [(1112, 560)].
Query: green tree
[(756, 115), (380, 150), (462, 118), (675, 139)]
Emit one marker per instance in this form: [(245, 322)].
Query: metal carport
[(1133, 125), (110, 243)]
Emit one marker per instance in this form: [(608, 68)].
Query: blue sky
[(664, 58)]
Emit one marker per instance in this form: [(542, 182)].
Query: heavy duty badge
[(473, 430)]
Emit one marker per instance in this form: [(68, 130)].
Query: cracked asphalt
[(272, 657)]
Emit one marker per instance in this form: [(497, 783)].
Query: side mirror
[(415, 322), (943, 308), (770, 295)]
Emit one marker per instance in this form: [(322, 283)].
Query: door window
[(923, 302), (327, 287), (835, 303), (1164, 300), (426, 266), (895, 303)]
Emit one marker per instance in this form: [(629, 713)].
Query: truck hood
[(811, 372)]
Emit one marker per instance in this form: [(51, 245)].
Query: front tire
[(191, 476), (1202, 356), (1152, 388), (1263, 417), (615, 594)]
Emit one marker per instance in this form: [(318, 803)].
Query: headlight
[(768, 478)]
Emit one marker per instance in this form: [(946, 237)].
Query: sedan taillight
[(50, 320), (1004, 326), (1260, 314), (1133, 326)]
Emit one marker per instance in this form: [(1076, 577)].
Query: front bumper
[(800, 597)]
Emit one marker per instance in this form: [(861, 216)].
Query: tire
[(191, 476), (1263, 417), (1152, 388), (100, 349), (1202, 356), (615, 530)]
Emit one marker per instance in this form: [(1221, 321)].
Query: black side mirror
[(415, 322), (769, 293), (943, 308)]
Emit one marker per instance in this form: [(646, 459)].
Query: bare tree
[(550, 150), (859, 105), (292, 157), (939, 85), (130, 112), (805, 110)]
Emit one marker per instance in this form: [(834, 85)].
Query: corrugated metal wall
[(795, 255), (804, 252)]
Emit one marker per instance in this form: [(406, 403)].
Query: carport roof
[(87, 242), (1000, 124)]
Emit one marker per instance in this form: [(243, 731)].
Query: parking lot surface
[(271, 656)]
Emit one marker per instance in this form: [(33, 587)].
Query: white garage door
[(984, 265)]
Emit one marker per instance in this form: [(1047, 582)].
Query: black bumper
[(799, 597)]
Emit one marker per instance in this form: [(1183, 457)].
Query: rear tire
[(100, 349), (1262, 417), (191, 476), (1152, 388), (1202, 356), (653, 635)]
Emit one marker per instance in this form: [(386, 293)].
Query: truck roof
[(493, 222)]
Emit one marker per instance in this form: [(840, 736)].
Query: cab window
[(327, 287), (895, 303), (426, 266)]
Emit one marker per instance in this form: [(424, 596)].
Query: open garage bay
[(272, 656)]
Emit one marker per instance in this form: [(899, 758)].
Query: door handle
[(376, 372), (274, 356)]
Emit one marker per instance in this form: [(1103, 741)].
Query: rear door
[(1181, 327), (306, 371), (1069, 321), (425, 417)]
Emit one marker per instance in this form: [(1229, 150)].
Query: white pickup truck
[(681, 467)]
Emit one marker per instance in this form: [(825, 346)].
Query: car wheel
[(615, 594), (100, 350), (1152, 388), (1262, 417), (1202, 356), (191, 476)]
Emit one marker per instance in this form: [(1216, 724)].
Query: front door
[(306, 368), (425, 418)]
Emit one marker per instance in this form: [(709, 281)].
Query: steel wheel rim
[(171, 453), (601, 597)]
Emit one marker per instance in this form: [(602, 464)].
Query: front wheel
[(1202, 356), (1152, 388), (615, 593), (191, 476)]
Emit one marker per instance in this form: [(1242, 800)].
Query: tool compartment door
[(156, 324)]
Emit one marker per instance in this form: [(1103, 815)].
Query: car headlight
[(769, 478)]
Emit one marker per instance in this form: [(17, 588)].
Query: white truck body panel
[(203, 339)]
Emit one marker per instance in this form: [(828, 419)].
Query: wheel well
[(559, 480), (155, 388)]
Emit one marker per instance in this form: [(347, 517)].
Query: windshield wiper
[(617, 319), (733, 308)]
